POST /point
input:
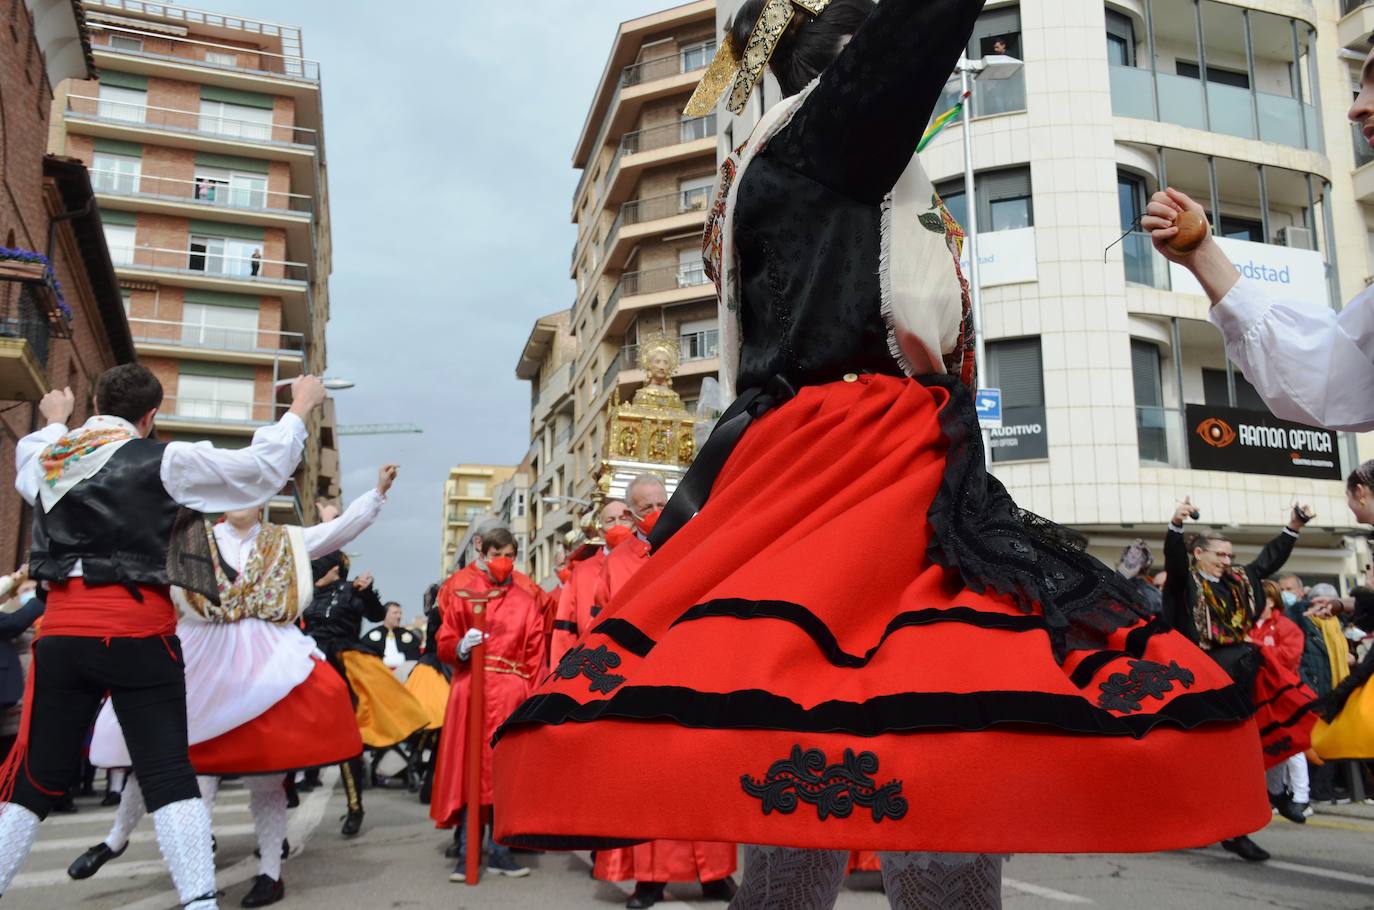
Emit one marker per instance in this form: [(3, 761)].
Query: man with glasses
[(1217, 603)]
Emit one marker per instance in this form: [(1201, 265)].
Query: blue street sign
[(988, 403)]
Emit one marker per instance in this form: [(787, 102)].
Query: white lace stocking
[(942, 881), (209, 789), (183, 833), (267, 801), (130, 812), (788, 878), (18, 831)]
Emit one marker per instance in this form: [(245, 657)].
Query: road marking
[(138, 837), (1333, 874), (106, 816), (1062, 897), (1363, 827)]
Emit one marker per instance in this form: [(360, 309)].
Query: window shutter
[(1018, 372), (1145, 372)]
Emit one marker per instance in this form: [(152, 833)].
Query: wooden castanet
[(1192, 230)]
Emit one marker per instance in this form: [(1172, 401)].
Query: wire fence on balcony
[(23, 316), (212, 410), (134, 113), (219, 338), (192, 261), (201, 190)]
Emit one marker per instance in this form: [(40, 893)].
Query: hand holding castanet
[(1177, 225)]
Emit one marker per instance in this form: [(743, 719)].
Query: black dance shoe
[(266, 890), (1286, 807), (1246, 849), (111, 798), (89, 863), (285, 849), (646, 895), (722, 889), (353, 823)]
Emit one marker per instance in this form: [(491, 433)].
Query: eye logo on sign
[(1216, 433)]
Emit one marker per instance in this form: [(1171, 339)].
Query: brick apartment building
[(204, 138), (47, 207)]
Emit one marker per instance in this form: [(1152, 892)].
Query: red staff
[(472, 774)]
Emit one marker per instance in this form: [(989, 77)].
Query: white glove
[(472, 639)]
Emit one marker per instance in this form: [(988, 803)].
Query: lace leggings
[(784, 878)]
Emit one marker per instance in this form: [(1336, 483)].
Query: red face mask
[(564, 574), (617, 535), (647, 523), (500, 568)]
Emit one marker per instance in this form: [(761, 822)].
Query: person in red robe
[(653, 864), (515, 650), (577, 606)]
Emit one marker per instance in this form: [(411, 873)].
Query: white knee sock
[(18, 831), (209, 789), (789, 878), (942, 881), (130, 812), (267, 801), (183, 833)]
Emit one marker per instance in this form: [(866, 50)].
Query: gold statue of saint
[(659, 356), (655, 428)]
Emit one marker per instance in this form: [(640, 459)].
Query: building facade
[(1108, 366), (204, 135), (549, 363), (61, 321), (469, 495)]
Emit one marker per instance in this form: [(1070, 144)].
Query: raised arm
[(56, 408), (326, 537), (1274, 554), (1176, 609), (860, 126)]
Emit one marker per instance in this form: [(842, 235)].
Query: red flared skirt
[(1284, 712), (311, 727), (666, 861), (794, 667)]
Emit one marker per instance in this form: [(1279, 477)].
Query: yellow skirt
[(1351, 734), (430, 689), (387, 714)]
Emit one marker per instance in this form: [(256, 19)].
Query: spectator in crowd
[(1135, 567), (393, 644), (22, 609), (1281, 641)]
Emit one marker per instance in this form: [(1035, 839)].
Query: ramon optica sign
[(1254, 442)]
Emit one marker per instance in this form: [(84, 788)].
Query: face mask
[(564, 574), (647, 523), (617, 535), (500, 568), (1289, 599)]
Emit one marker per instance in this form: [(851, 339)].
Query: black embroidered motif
[(593, 664), (833, 790), (1147, 679), (1280, 746)]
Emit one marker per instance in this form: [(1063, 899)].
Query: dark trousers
[(147, 683)]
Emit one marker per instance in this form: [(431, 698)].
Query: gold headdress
[(742, 72), (659, 343)]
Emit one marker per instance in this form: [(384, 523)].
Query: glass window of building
[(699, 339), (1120, 39), (1217, 75), (214, 397), (475, 489), (117, 103), (111, 173), (695, 193), (206, 325), (222, 58), (1004, 199), (224, 255), (997, 32), (240, 121), (694, 128), (1015, 367), (1214, 392), (126, 42), (698, 55), (1241, 229), (691, 271), (120, 240), (222, 186), (1151, 419)]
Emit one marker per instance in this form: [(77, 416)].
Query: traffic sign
[(988, 404)]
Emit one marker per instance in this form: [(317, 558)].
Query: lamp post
[(995, 66), (555, 500), (333, 385)]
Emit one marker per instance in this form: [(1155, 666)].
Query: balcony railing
[(651, 281), (1234, 111), (688, 129), (205, 53), (212, 410), (23, 316), (694, 346), (654, 208), (218, 338), (1363, 153), (1143, 265), (202, 192), (1349, 6), (194, 262), (131, 113), (608, 379)]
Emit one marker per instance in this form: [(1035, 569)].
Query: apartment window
[(116, 103), (224, 255), (126, 43), (237, 120), (520, 505), (1151, 420), (691, 271), (222, 186), (998, 32), (1015, 367), (698, 128), (1004, 200), (115, 173), (475, 489), (1136, 250), (695, 193), (697, 56), (1214, 392), (1215, 74), (1120, 39), (699, 339), (120, 240), (222, 58), (1241, 229), (214, 397), (206, 325)]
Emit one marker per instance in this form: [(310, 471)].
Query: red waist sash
[(108, 611)]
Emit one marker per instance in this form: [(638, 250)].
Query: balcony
[(656, 146), (694, 346), (640, 218), (133, 121), (217, 416), (176, 194), (24, 337), (1357, 21), (195, 341), (128, 43), (215, 271)]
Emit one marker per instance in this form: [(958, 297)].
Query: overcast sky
[(449, 131)]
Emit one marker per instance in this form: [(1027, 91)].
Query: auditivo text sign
[(1255, 442)]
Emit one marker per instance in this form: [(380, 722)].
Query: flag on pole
[(939, 123)]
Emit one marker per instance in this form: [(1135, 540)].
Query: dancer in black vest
[(109, 506)]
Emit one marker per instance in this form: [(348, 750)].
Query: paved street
[(398, 863)]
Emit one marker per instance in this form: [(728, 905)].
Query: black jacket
[(407, 642), (1315, 665), (1180, 588), (12, 625), (335, 617)]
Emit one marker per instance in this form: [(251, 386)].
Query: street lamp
[(993, 66), (556, 500), (333, 385)]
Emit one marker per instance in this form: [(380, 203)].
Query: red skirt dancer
[(856, 615)]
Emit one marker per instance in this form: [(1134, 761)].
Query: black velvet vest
[(119, 523)]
